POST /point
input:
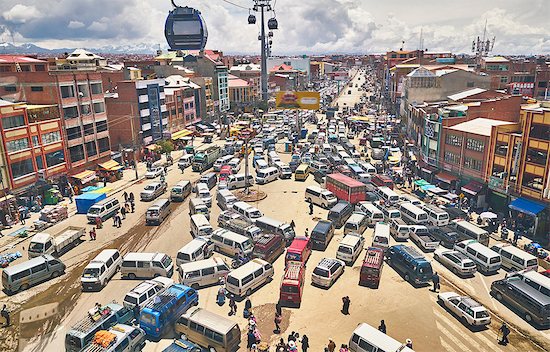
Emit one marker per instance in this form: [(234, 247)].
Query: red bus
[(371, 270), (292, 285), (346, 188), (381, 180), (298, 251)]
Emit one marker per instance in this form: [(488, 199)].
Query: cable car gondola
[(185, 29)]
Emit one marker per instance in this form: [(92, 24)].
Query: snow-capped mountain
[(29, 48)]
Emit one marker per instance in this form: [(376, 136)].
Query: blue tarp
[(526, 206), (86, 200)]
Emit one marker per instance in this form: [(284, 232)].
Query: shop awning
[(85, 176), (110, 165), (427, 187), (421, 182), (472, 188), (445, 177), (436, 190), (153, 147), (450, 196), (179, 134), (526, 206)]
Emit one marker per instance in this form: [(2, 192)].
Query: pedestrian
[(247, 308), (118, 220), (131, 197), (127, 207), (307, 232), (22, 216), (409, 343), (310, 208), (331, 345), (292, 346), (435, 280), (292, 337), (344, 348), (104, 181), (232, 305), (92, 234), (6, 315), (505, 332), (292, 224), (251, 339), (125, 195), (70, 195), (123, 212), (281, 346), (278, 309), (382, 326), (345, 305), (98, 222), (305, 343), (278, 319), (133, 206)]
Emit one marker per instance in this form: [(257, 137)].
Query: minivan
[(146, 265), (366, 338), (399, 229), (101, 269), (284, 170), (350, 248), (143, 292), (245, 279), (487, 260), (200, 226), (514, 259), (381, 236), (320, 197), (266, 175), (340, 213), (21, 276), (198, 248), (224, 160), (327, 272), (225, 198), (202, 273), (408, 261), (321, 234), (292, 285), (357, 223), (247, 211), (268, 246), (210, 179), (238, 181), (197, 206), (371, 212), (157, 212), (203, 192), (231, 243), (180, 191), (104, 209), (261, 164)]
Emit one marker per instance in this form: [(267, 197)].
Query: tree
[(166, 146)]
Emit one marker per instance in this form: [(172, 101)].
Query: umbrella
[(488, 215)]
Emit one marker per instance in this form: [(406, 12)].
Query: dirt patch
[(253, 195), (265, 315)]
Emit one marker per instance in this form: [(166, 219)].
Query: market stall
[(83, 179), (110, 170)]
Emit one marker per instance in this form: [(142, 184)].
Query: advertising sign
[(297, 100)]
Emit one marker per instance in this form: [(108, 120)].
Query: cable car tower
[(185, 29)]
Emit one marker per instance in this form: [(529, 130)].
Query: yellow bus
[(301, 173)]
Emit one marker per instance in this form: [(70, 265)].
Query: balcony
[(143, 98), (144, 113)]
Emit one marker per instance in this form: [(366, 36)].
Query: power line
[(237, 5)]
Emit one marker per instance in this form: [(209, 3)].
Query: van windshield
[(425, 269), (131, 299), (148, 319), (94, 210), (289, 289), (344, 249), (495, 260), (36, 247), (255, 214), (320, 272), (91, 273), (233, 281), (149, 188), (166, 261), (73, 341), (382, 240), (247, 245)]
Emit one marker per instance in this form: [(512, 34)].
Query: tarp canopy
[(445, 177), (85, 176), (526, 206), (427, 187), (436, 190), (182, 133), (421, 182), (472, 188), (110, 165)]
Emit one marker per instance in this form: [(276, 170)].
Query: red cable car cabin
[(292, 285), (346, 188)]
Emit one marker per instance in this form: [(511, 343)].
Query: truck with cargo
[(44, 243), (242, 227), (204, 158)]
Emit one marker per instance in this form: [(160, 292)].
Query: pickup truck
[(44, 243), (421, 236)]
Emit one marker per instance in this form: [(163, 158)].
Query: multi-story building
[(32, 145), (182, 102), (252, 74), (207, 66), (207, 109), (301, 64), (240, 93)]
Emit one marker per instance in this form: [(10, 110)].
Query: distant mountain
[(29, 48)]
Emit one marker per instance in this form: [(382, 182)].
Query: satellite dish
[(185, 29)]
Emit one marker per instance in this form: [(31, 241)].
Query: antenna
[(483, 46)]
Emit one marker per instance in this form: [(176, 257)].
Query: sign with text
[(298, 100)]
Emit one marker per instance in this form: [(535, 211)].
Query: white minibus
[(514, 259), (247, 211), (320, 197), (436, 215), (387, 195), (266, 175), (356, 223), (200, 226), (381, 236), (413, 214), (245, 279), (467, 231), (365, 338), (487, 260), (372, 213)]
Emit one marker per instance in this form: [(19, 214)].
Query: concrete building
[(207, 109), (298, 63), (252, 74), (240, 93), (182, 102)]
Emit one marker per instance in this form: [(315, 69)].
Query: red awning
[(472, 188), (445, 177)]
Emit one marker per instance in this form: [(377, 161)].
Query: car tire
[(248, 292), (195, 286), (528, 318), (24, 287), (455, 271), (436, 257), (498, 296), (407, 277), (55, 274), (132, 276)]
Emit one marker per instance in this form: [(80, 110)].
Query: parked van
[(144, 292), (357, 223), (247, 211), (20, 277), (399, 229), (514, 259), (225, 198), (371, 212), (146, 265), (157, 212), (340, 213), (368, 168), (231, 243), (320, 197), (210, 179), (197, 206), (200, 226), (299, 250), (224, 160), (180, 191), (413, 215), (381, 236), (284, 170), (276, 226), (104, 209), (436, 215), (366, 338), (321, 234), (409, 262), (198, 248), (268, 246), (245, 279), (466, 231), (266, 175), (389, 212), (302, 172), (487, 260), (371, 269), (101, 269), (327, 149), (238, 181), (260, 165), (209, 330), (388, 195), (273, 157), (203, 272), (292, 284), (350, 248), (203, 192)]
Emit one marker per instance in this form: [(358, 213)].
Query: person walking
[(305, 343), (505, 332), (310, 208), (131, 197), (232, 305), (123, 212), (382, 326), (6, 315), (409, 343), (278, 309), (133, 206), (125, 195), (247, 308), (331, 345), (127, 207), (98, 222), (292, 224), (278, 319), (251, 339), (92, 234), (435, 280), (345, 305), (307, 232)]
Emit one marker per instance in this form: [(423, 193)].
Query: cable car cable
[(232, 3)]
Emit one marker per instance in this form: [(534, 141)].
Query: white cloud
[(21, 14), (75, 25), (99, 26)]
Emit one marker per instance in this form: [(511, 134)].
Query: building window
[(51, 137), (452, 158), (37, 89), (76, 153), (537, 156), (101, 126), (55, 158), (452, 139), (10, 88), (532, 181), (17, 145), (40, 68), (103, 144), (475, 145), (67, 91), (99, 107), (39, 162), (21, 168), (143, 106), (96, 88), (498, 171), (503, 79), (540, 131), (70, 112), (91, 148), (26, 68), (35, 141), (85, 109), (74, 133), (473, 164), (89, 129), (83, 90), (501, 148), (543, 84), (13, 121)]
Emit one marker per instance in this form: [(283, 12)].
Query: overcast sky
[(305, 26)]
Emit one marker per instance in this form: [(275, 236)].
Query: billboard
[(297, 100)]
